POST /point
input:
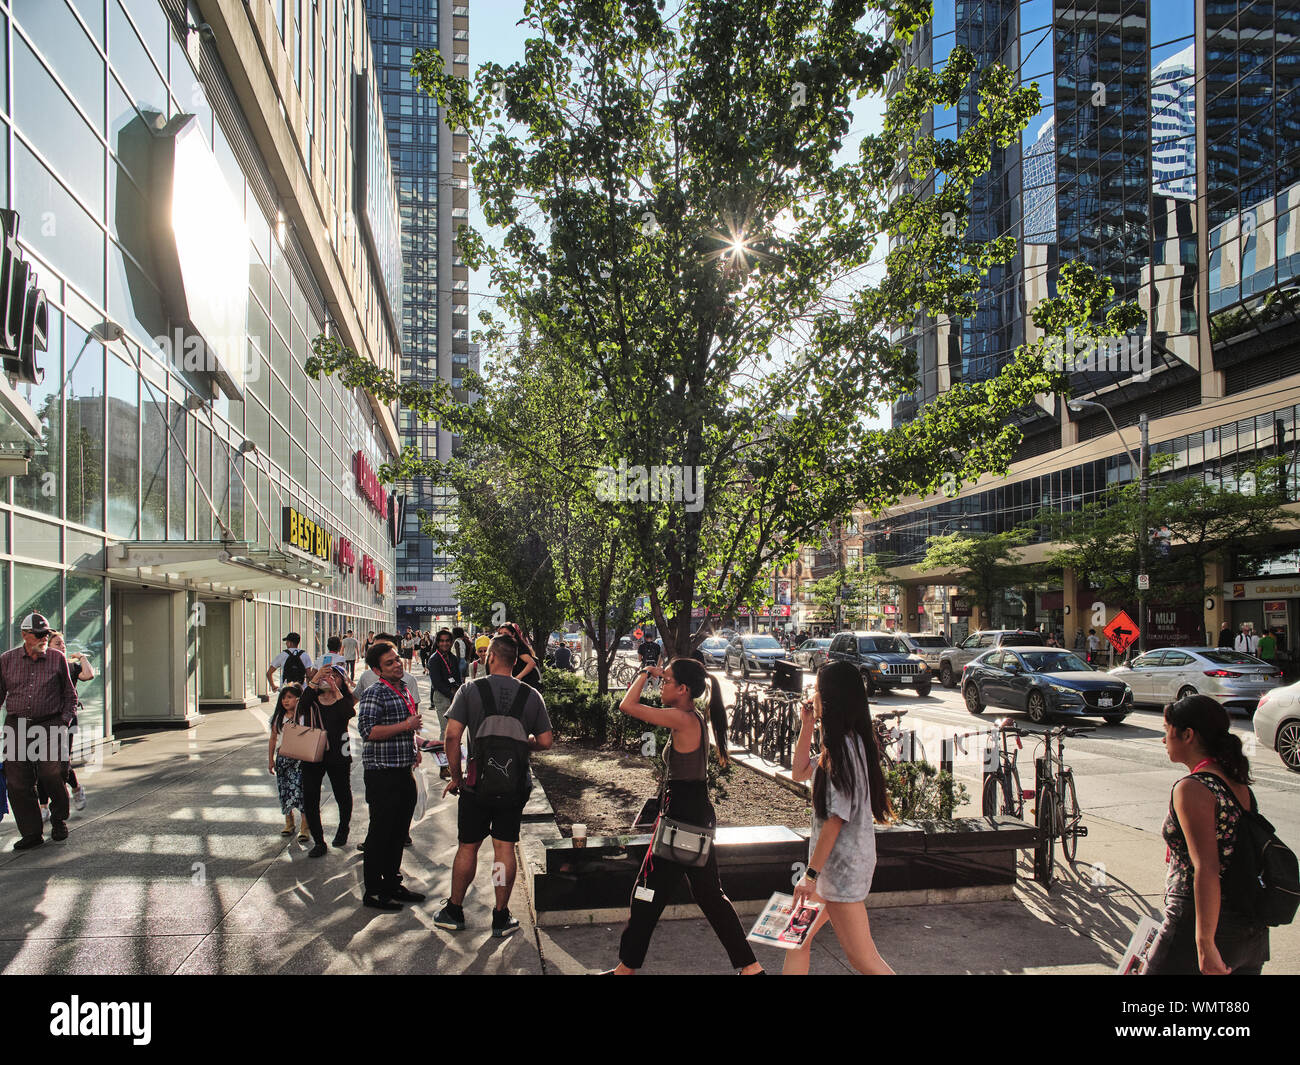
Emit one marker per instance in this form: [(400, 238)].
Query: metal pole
[(1144, 460)]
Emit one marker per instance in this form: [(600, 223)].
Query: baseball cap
[(293, 636), (36, 625)]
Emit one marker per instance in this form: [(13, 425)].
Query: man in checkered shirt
[(387, 718)]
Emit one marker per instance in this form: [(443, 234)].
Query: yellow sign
[(306, 535)]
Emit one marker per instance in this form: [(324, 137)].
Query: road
[(1122, 772)]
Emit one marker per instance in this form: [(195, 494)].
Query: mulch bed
[(605, 789)]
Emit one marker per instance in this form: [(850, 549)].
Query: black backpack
[(1262, 880), (293, 671), (501, 749)]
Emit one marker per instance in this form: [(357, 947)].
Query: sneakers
[(378, 902), (79, 798), (28, 842), (60, 831), (503, 924), (45, 815), (450, 917), (318, 851)]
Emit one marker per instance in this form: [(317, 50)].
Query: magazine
[(1135, 958), (783, 925)]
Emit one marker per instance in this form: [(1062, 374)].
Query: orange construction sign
[(1122, 632)]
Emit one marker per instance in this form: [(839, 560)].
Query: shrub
[(916, 791)]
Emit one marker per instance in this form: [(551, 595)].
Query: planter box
[(973, 855)]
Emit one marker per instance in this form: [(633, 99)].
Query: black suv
[(883, 660)]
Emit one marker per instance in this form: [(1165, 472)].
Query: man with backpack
[(506, 720), (293, 664)]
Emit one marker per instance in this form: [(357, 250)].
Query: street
[(1121, 772)]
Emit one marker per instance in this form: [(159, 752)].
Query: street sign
[(638, 634), (1144, 582), (1121, 632)]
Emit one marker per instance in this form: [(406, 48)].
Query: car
[(713, 650), (1234, 678), (927, 645), (1041, 681), (954, 659), (1277, 724), (883, 660), (752, 654), (811, 654)]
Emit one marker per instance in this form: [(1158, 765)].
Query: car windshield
[(714, 642), (880, 645), (759, 642), (1231, 658), (930, 641), (1055, 662)]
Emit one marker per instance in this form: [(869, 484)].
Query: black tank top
[(693, 765)]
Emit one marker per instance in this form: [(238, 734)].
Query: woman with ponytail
[(1200, 933), (685, 798), (848, 798)]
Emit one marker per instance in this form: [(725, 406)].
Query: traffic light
[(458, 616)]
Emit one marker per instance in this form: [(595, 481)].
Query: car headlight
[(1063, 690), (923, 667)]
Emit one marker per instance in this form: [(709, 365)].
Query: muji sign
[(368, 484)]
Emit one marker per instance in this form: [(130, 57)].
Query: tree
[(675, 215), (983, 564), (862, 582)]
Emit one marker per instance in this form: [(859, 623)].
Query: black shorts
[(476, 820)]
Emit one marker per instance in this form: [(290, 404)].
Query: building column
[(910, 600), (1070, 597), (1216, 614)]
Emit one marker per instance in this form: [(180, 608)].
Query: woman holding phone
[(848, 798), (686, 798), (330, 697)]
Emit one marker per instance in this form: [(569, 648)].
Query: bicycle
[(1057, 810), (909, 746), (1004, 783)]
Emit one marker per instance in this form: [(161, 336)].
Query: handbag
[(676, 841), (307, 743)]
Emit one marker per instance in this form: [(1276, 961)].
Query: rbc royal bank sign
[(368, 484)]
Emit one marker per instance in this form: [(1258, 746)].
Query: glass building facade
[(1166, 154), (433, 189), (153, 524)]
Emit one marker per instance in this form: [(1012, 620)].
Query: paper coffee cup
[(579, 835)]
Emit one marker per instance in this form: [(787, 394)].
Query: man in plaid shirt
[(40, 703), (387, 718)]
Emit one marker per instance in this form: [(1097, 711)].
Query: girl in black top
[(525, 665), (330, 698), (686, 798)]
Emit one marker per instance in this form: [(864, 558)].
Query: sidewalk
[(177, 866)]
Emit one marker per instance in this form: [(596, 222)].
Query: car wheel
[(1185, 691), (923, 689), (1114, 719), (1036, 707), (972, 694), (871, 687), (744, 669), (1288, 745), (945, 675)]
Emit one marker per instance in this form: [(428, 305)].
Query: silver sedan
[(1277, 724), (1169, 673)]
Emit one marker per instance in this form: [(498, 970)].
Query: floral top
[(1227, 812)]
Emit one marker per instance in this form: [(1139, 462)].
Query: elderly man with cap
[(40, 703)]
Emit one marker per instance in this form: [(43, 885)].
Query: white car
[(1277, 724), (1169, 673)]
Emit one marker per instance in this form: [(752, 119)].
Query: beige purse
[(307, 743)]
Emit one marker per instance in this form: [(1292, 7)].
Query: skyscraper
[(433, 192)]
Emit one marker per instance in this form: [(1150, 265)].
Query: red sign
[(367, 570), (638, 634), (344, 557), (368, 484), (1121, 632)]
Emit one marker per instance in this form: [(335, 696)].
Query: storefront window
[(37, 589), (1278, 562), (84, 631), (84, 451), (123, 449), (42, 488)]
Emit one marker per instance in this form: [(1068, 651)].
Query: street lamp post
[(1142, 459)]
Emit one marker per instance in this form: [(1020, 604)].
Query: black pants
[(686, 801), (390, 794), (1242, 944), (340, 774)]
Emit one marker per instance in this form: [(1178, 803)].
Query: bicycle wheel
[(1015, 798), (1046, 820), (989, 805), (1069, 819), (591, 670)]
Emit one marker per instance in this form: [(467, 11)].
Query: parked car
[(883, 660), (1041, 681), (953, 660), (713, 650), (927, 645), (811, 654), (752, 654), (1234, 678), (1277, 724)]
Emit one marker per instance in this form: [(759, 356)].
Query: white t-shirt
[(1247, 644), (333, 660), (280, 659), (350, 648), (370, 677)]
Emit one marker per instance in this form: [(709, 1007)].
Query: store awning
[(228, 567)]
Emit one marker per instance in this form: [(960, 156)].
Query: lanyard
[(405, 696), (444, 661), (1203, 763)]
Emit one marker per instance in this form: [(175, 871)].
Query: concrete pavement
[(177, 866)]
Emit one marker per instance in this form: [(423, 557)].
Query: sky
[(495, 38)]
